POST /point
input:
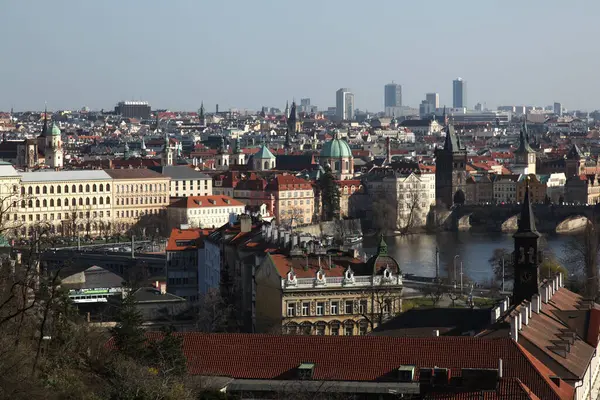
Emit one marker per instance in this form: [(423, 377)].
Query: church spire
[(45, 127), (526, 226)]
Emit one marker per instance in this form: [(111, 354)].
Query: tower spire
[(526, 226), (45, 127)]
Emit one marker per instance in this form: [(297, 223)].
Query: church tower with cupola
[(168, 152), (524, 155), (222, 159), (526, 256), (53, 151)]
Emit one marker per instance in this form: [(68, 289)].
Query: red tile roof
[(360, 358), (207, 201), (186, 239)]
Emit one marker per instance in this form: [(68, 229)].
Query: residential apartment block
[(204, 211)]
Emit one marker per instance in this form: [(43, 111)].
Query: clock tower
[(526, 256)]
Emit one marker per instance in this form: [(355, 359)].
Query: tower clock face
[(526, 276)]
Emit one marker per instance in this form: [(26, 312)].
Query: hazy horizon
[(245, 55)]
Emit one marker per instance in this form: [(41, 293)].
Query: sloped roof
[(258, 356)]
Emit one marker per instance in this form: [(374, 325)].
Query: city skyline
[(175, 63)]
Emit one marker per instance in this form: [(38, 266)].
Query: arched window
[(80, 201), (107, 200), (37, 203), (66, 188), (87, 188), (29, 190), (94, 188), (44, 190), (127, 201), (58, 202), (101, 200), (22, 203), (51, 202), (73, 201), (87, 201), (337, 166), (22, 191), (37, 190), (81, 188), (30, 204), (101, 187), (107, 187), (52, 189), (347, 165), (58, 189), (73, 189), (94, 201), (266, 165), (45, 203)]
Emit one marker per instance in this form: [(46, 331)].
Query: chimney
[(545, 293), (555, 284), (535, 303), (514, 327), (500, 372), (495, 314), (525, 313), (519, 320), (436, 332), (163, 288), (559, 276), (294, 241), (286, 238), (503, 306), (245, 223), (275, 235), (507, 302)]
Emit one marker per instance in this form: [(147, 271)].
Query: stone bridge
[(503, 218)]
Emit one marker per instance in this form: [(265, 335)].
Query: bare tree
[(408, 218), (213, 312), (294, 217), (582, 256), (385, 210), (436, 291), (381, 302)]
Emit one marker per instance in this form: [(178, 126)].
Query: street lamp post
[(455, 257), (461, 277)]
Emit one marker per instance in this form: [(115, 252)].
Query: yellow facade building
[(326, 294)]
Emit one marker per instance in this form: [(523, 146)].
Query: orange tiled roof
[(186, 239), (207, 201)]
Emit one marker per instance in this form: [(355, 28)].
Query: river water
[(416, 254)]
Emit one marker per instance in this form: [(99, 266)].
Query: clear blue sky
[(248, 53)]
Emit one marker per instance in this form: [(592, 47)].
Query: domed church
[(337, 155)]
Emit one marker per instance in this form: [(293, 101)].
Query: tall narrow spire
[(526, 226), (45, 127)]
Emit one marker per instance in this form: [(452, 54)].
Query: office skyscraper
[(459, 93), (344, 104), (392, 95), (433, 99)]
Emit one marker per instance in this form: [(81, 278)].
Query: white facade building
[(204, 211)]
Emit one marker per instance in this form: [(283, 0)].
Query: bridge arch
[(572, 224)]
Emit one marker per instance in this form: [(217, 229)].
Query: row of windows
[(59, 189), (60, 202), (198, 183), (295, 308), (138, 213), (219, 210), (59, 216), (145, 187), (289, 202), (295, 194), (323, 328), (143, 200)]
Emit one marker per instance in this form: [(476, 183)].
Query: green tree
[(128, 333), (330, 196), (498, 257)]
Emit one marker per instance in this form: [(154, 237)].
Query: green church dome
[(336, 148), (55, 130)]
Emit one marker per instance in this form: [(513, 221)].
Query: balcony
[(340, 282)]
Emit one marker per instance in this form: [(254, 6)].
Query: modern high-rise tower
[(344, 104), (433, 99), (459, 93), (392, 95)]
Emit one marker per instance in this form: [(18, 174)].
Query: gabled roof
[(263, 153)]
